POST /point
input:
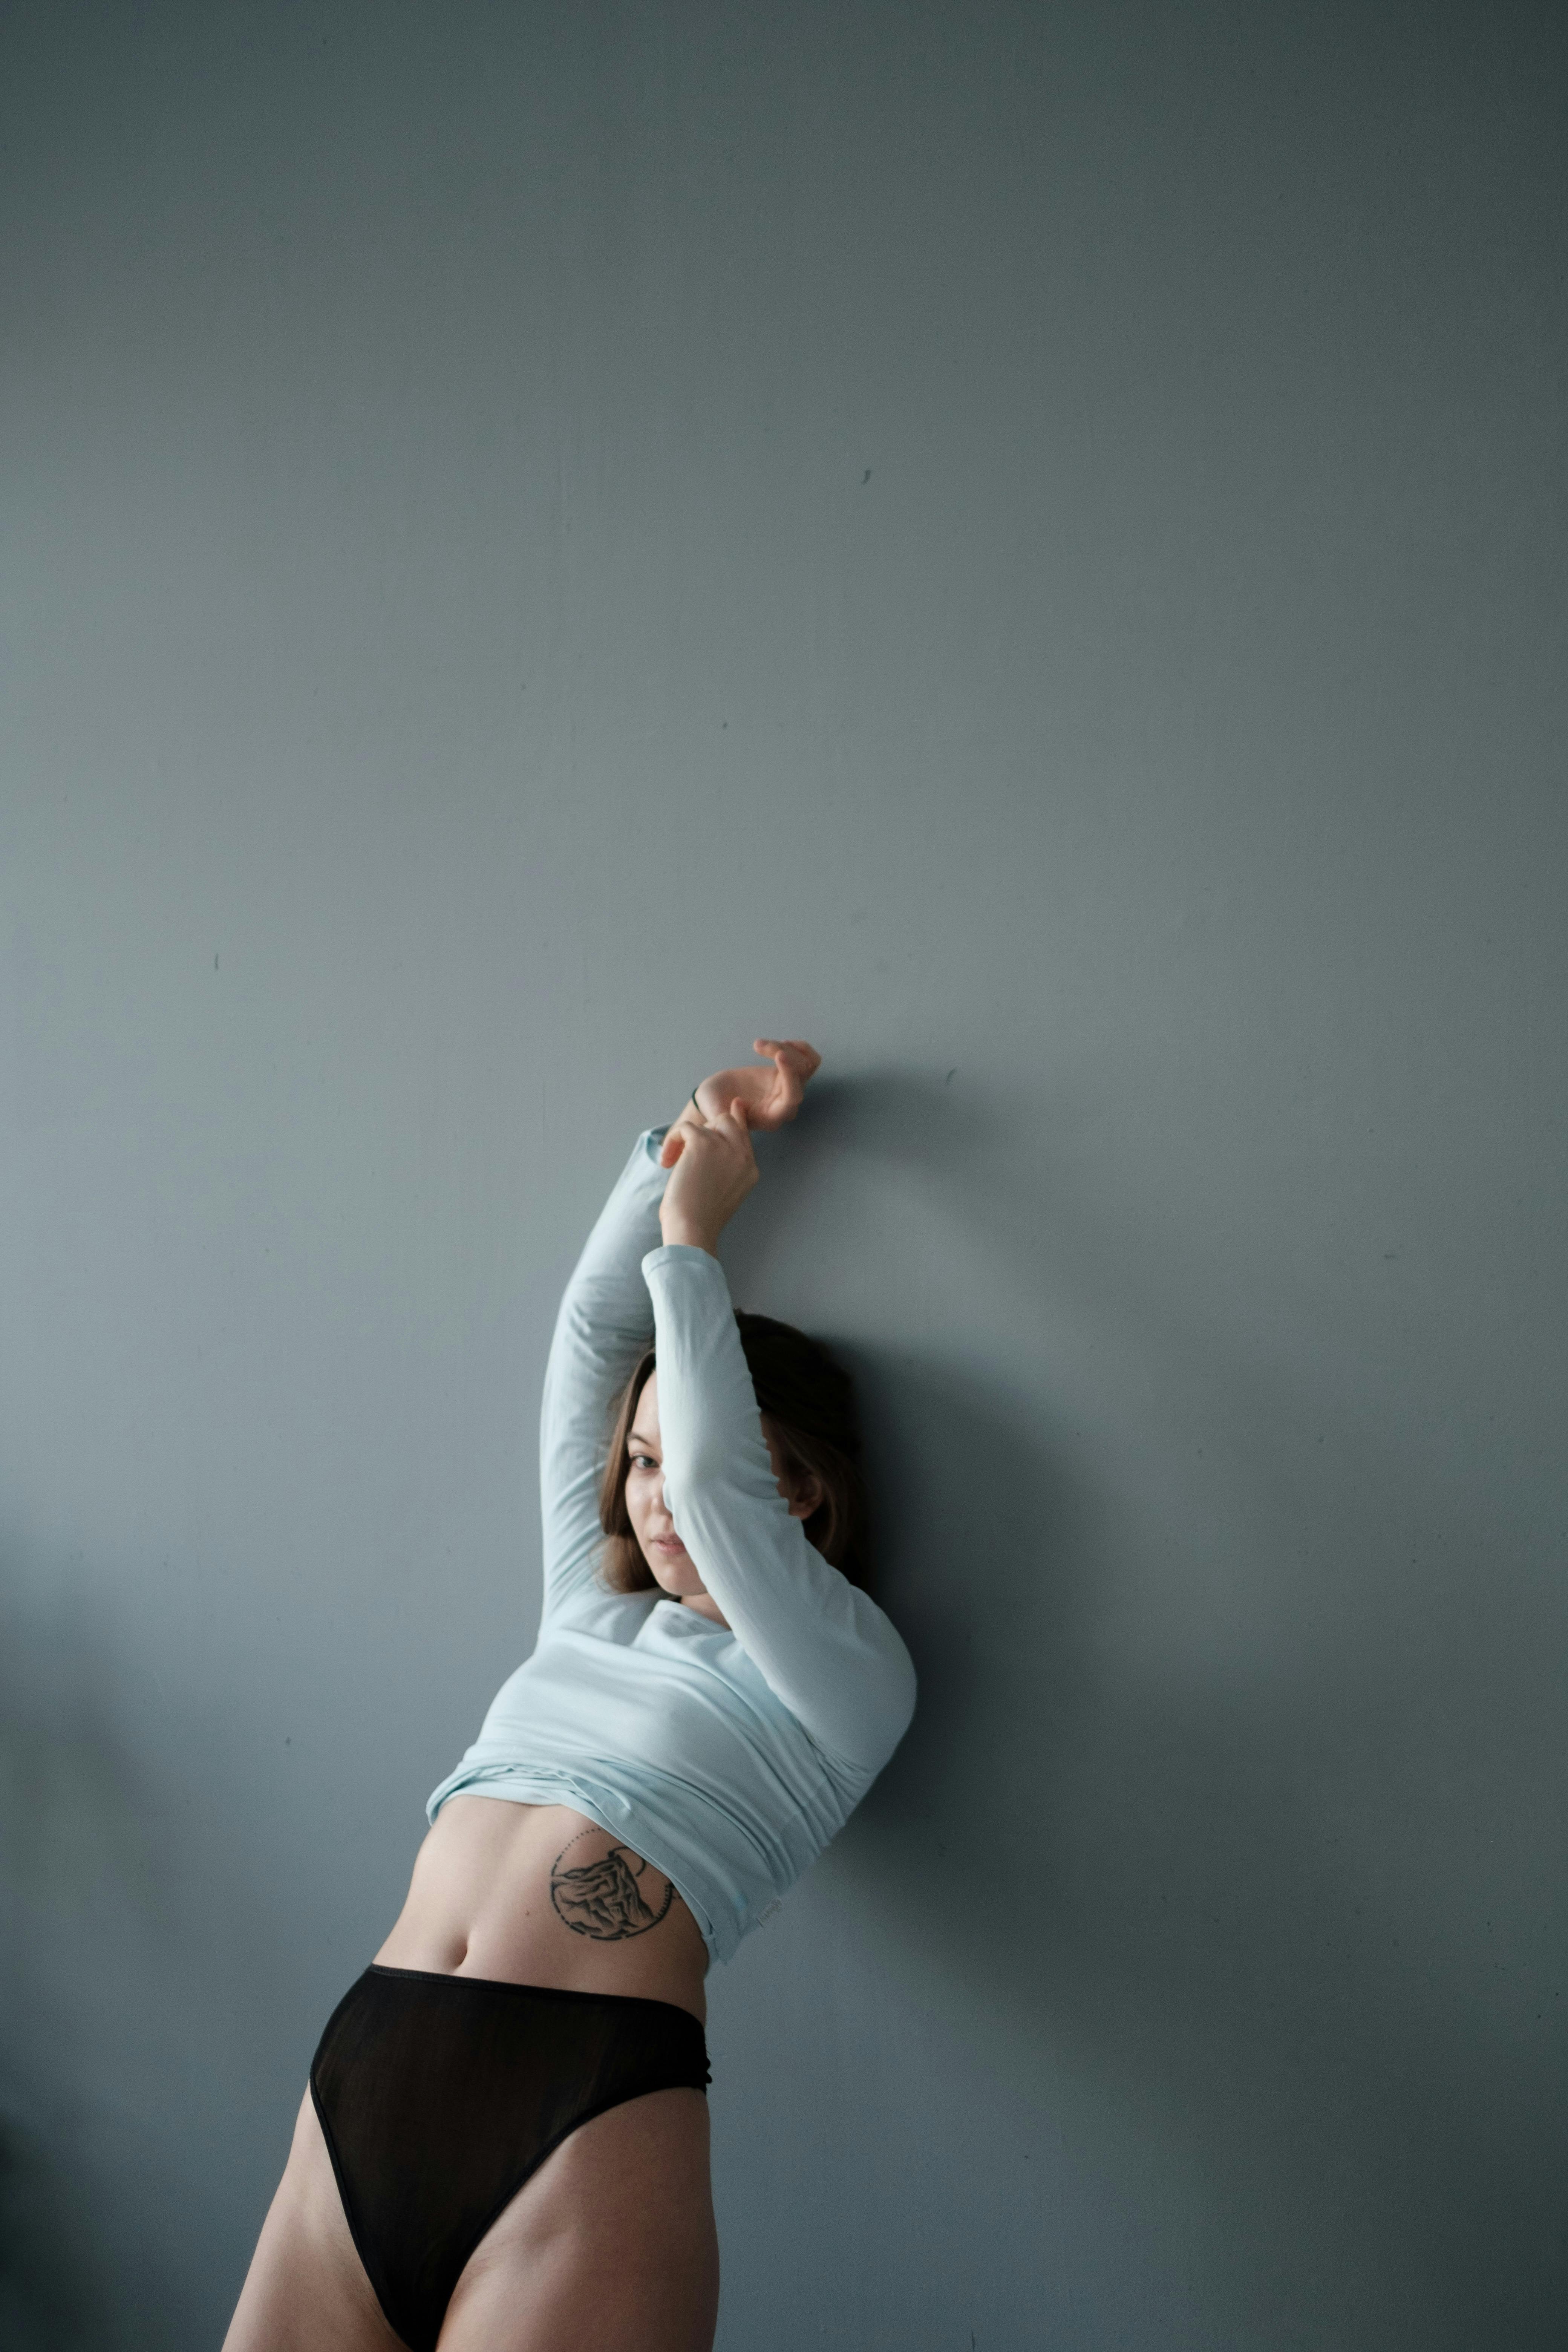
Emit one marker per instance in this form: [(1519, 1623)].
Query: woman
[(504, 2143)]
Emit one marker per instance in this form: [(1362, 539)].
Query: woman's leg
[(610, 2247), (307, 2290)]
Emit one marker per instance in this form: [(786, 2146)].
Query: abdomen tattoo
[(618, 1895)]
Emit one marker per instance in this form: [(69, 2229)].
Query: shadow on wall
[(77, 1867), (43, 2304), (1254, 1891)]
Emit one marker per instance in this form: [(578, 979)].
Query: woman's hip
[(441, 2096)]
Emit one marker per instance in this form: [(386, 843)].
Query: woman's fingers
[(770, 1096), (733, 1125), (688, 1120), (800, 1055), (794, 1062), (726, 1131), (712, 1175), (784, 1100)]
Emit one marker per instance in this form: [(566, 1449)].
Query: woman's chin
[(678, 1578)]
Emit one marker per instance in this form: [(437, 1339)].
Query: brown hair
[(806, 1401)]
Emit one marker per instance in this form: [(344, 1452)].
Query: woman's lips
[(671, 1543)]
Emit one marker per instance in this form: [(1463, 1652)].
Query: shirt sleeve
[(604, 1325), (821, 1645)]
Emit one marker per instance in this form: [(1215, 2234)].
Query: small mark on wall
[(865, 477)]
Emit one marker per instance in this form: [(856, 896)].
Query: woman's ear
[(806, 1496)]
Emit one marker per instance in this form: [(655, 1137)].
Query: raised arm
[(605, 1321), (822, 1645), (604, 1325)]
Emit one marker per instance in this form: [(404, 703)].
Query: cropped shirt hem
[(519, 1784)]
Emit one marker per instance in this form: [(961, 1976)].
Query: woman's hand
[(770, 1093), (715, 1168), (711, 1182)]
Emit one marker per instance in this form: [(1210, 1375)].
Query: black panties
[(439, 2095)]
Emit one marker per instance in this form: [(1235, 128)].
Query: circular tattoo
[(604, 1898)]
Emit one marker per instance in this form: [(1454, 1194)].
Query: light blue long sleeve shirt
[(726, 1756)]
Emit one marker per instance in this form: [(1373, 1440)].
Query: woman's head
[(807, 1404)]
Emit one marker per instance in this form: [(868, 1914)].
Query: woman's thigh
[(306, 2290), (611, 2247)]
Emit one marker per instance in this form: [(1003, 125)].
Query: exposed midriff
[(540, 1894)]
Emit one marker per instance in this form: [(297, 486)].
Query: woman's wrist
[(686, 1232)]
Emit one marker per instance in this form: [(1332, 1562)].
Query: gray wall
[(1025, 545)]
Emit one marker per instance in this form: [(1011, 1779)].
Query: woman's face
[(672, 1565)]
